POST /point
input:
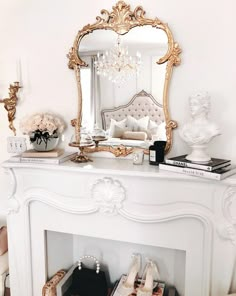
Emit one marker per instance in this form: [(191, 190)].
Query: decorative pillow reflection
[(137, 129), (136, 125), (152, 129), (117, 128), (141, 136), (161, 133)]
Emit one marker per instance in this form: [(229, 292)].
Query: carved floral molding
[(108, 195)]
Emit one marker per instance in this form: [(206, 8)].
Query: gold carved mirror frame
[(121, 20)]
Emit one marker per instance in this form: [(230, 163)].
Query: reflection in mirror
[(115, 59), (136, 124), (142, 48)]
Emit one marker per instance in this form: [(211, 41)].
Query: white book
[(218, 174), (42, 154), (55, 160)]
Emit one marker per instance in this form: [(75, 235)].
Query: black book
[(213, 164)]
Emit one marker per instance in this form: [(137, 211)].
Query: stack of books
[(157, 291), (216, 168), (55, 156)]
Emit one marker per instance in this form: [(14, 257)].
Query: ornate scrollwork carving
[(108, 195), (227, 230), (230, 198), (175, 59), (72, 58), (169, 126), (13, 203), (120, 150), (120, 18)]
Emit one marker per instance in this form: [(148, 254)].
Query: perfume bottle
[(157, 152)]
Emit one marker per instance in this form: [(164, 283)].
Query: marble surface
[(115, 166)]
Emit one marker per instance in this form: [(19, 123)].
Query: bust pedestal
[(199, 154)]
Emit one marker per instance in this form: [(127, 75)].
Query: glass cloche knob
[(85, 137)]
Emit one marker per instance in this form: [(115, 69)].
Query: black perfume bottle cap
[(160, 144)]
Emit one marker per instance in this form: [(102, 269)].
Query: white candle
[(18, 71)]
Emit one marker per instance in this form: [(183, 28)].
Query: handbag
[(88, 282), (3, 240), (49, 289)]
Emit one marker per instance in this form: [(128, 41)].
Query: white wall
[(40, 33)]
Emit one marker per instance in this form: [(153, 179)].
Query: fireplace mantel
[(188, 213)]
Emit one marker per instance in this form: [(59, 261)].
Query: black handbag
[(88, 282)]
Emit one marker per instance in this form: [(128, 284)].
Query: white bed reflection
[(136, 124)]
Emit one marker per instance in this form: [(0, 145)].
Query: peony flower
[(37, 119), (42, 127)]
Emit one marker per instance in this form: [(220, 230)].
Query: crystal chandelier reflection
[(117, 65)]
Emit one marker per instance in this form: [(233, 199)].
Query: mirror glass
[(143, 44)]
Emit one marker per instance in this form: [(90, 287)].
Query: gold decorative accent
[(80, 157), (10, 104), (117, 151), (121, 19), (170, 125)]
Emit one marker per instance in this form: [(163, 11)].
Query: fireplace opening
[(59, 238), (64, 249)]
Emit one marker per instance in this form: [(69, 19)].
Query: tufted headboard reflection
[(141, 105)]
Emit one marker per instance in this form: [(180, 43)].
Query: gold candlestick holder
[(81, 156), (10, 104)]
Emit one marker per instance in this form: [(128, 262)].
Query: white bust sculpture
[(199, 131)]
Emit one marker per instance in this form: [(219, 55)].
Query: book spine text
[(39, 160), (189, 165), (190, 171)]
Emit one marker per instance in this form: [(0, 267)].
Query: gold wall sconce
[(10, 104)]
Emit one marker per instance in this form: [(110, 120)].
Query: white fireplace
[(186, 223)]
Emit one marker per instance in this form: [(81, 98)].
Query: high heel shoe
[(127, 287), (150, 275)]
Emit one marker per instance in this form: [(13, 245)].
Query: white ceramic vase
[(45, 144)]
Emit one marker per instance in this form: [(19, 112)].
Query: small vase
[(45, 144)]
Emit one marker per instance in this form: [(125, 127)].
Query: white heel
[(150, 274), (127, 287)]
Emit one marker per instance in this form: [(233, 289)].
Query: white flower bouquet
[(42, 127)]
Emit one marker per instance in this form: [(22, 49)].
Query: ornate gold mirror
[(123, 65)]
